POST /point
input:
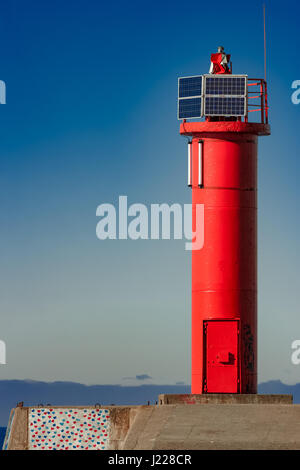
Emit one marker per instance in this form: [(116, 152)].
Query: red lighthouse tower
[(222, 160)]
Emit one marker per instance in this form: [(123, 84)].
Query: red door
[(221, 371)]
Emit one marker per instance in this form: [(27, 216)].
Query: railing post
[(262, 102), (266, 103)]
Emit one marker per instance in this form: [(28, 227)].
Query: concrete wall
[(216, 427), (266, 424), (68, 428), (224, 398)]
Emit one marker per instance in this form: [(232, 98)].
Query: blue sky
[(91, 115)]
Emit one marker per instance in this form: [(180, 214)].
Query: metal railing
[(260, 94)]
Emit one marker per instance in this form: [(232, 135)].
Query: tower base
[(226, 398)]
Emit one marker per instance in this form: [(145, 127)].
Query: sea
[(2, 436)]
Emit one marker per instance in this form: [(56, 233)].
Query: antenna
[(265, 47)]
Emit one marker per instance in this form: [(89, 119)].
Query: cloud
[(143, 377), (138, 377)]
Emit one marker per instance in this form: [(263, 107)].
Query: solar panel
[(221, 85), (225, 95), (212, 95), (190, 108), (224, 106), (190, 86)]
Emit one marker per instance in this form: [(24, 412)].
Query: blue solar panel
[(224, 106), (190, 86), (225, 85), (223, 95), (189, 108)]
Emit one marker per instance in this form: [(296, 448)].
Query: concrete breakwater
[(183, 422), (68, 428)]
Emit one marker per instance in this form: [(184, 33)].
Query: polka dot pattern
[(68, 429)]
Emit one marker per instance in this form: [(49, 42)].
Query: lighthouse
[(223, 115)]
